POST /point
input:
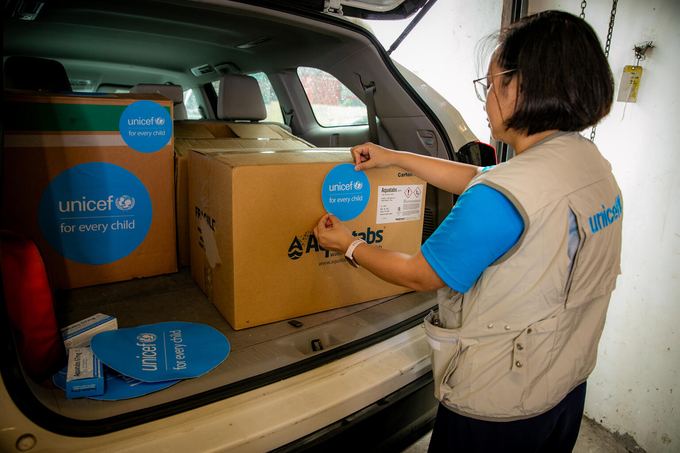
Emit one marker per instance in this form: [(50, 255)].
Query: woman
[(526, 261)]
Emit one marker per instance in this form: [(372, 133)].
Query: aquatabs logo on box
[(308, 243), (145, 126), (95, 213), (345, 192), (162, 352)]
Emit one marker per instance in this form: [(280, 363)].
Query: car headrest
[(172, 92), (240, 98), (29, 73)]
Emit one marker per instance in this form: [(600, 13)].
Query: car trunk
[(259, 355)]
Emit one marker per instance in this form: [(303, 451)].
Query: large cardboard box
[(90, 179), (252, 248), (218, 136)]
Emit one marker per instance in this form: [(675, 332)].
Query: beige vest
[(526, 333)]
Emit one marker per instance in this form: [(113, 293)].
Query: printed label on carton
[(146, 126), (399, 203), (306, 243), (95, 213), (345, 192)]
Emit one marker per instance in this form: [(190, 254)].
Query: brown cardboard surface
[(220, 137), (32, 159), (249, 210)]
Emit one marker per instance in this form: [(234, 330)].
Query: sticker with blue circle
[(117, 386), (345, 192), (162, 352), (145, 126), (95, 213)]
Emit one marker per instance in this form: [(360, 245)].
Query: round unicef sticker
[(145, 126), (345, 192), (162, 352), (95, 213)]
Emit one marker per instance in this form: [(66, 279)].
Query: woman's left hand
[(332, 234)]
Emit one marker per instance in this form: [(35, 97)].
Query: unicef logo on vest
[(146, 337), (125, 203)]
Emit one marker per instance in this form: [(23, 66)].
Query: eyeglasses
[(482, 89)]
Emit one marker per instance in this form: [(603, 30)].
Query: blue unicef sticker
[(345, 192), (145, 126), (95, 213), (117, 386), (162, 352)]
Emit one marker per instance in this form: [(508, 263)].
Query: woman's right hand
[(370, 155)]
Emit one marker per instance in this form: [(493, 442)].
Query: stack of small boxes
[(85, 374)]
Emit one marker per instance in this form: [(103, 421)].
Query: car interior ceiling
[(123, 43), (102, 35)]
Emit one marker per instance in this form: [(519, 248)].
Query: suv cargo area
[(258, 355), (113, 46)]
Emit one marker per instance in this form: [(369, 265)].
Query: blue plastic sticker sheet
[(162, 352), (345, 192), (95, 213), (145, 126), (117, 386)]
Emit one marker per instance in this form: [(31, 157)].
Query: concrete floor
[(593, 438)]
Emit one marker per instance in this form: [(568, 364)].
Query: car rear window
[(332, 102)]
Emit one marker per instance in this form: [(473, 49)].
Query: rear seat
[(172, 92), (240, 100), (240, 109), (29, 73)]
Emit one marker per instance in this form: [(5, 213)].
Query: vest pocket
[(450, 308), (444, 353), (532, 356)]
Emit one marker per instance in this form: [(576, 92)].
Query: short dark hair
[(565, 81)]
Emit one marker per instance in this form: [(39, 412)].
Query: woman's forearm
[(399, 268), (447, 175)]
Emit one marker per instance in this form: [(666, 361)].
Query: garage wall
[(634, 388)]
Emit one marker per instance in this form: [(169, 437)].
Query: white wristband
[(349, 254)]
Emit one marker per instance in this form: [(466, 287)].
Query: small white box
[(78, 335), (84, 376)]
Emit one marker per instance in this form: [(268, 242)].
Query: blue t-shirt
[(481, 227)]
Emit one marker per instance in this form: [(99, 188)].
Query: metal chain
[(583, 10), (607, 45)]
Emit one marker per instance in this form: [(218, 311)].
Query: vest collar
[(547, 139)]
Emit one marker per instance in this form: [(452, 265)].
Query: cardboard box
[(79, 334), (90, 180), (219, 136), (252, 248), (85, 374)]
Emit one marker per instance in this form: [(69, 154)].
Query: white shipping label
[(399, 203)]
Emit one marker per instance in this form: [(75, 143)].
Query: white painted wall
[(634, 388)]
